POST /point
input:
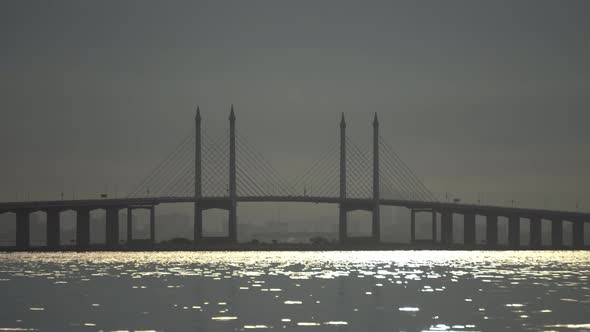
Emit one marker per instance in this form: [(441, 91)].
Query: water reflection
[(335, 291)]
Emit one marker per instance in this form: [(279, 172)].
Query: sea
[(296, 291)]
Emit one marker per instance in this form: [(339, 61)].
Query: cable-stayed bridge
[(218, 172)]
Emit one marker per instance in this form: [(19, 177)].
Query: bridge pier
[(446, 231), (469, 229), (342, 223), (198, 224), (233, 223), (53, 229), (434, 228), (535, 232), (412, 226), (492, 230), (151, 209), (112, 227), (376, 223), (556, 233), (578, 234), (199, 238), (153, 224), (346, 206), (23, 227), (514, 231), (83, 228), (129, 225)]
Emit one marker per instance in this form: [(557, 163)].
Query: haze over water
[(295, 291)]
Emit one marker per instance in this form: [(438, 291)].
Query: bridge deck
[(64, 205)]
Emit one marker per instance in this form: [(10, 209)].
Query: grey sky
[(477, 97)]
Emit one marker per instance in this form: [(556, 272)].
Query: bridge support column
[(112, 227), (198, 211), (376, 223), (556, 233), (198, 224), (514, 231), (535, 233), (434, 228), (342, 224), (153, 224), (129, 225), (233, 223), (578, 234), (376, 232), (342, 213), (53, 229), (412, 226), (446, 231), (23, 227), (469, 229), (233, 218), (492, 230), (83, 228)]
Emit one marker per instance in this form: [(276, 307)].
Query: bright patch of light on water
[(394, 290), (336, 323), (224, 318)]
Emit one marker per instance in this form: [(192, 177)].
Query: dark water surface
[(295, 291)]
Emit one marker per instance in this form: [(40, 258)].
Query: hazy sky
[(477, 97)]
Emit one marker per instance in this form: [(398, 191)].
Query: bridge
[(220, 173)]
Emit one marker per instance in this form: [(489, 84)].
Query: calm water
[(295, 291)]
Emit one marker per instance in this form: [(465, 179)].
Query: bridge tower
[(342, 213), (233, 220), (376, 229), (346, 205), (198, 222), (226, 203)]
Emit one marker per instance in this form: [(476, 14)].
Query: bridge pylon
[(233, 197), (346, 205), (198, 222), (342, 213), (228, 203), (376, 219)]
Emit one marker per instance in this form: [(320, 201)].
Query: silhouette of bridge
[(219, 173)]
